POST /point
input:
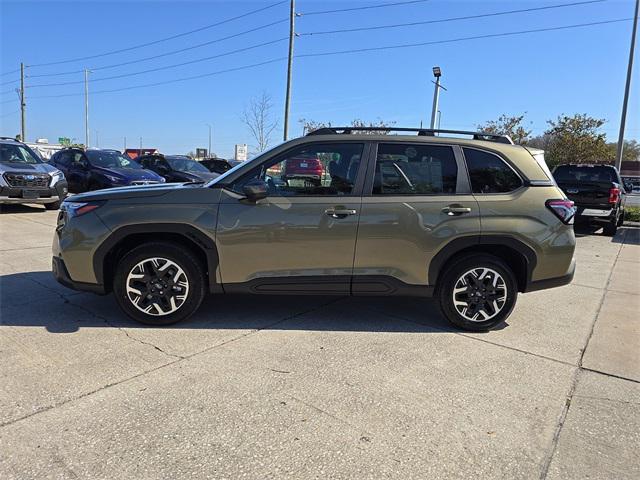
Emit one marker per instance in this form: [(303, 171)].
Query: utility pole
[(125, 144), (436, 96), (140, 150), (209, 150), (627, 87), (97, 140), (23, 106), (287, 99), (86, 108)]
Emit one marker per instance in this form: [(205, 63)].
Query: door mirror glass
[(255, 190)]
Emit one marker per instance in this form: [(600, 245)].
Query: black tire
[(52, 206), (621, 219), (183, 259), (452, 275), (610, 228)]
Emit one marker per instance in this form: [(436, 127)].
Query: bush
[(632, 214)]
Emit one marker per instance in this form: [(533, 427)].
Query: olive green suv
[(407, 212)]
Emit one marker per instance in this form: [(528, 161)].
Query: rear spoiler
[(538, 156)]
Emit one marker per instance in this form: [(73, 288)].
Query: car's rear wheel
[(610, 228), (159, 283), (477, 292)]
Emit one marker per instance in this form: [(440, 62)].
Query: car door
[(302, 236), (416, 200)]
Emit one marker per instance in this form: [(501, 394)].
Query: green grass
[(632, 214)]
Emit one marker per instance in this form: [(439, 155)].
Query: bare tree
[(257, 117), (309, 125)]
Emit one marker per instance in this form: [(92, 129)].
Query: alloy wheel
[(479, 294), (157, 286)]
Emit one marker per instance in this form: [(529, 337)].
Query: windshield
[(184, 164), (105, 159), (10, 153)]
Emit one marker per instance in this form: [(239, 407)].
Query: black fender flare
[(198, 237), (450, 249)]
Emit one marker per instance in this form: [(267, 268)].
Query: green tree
[(630, 150), (508, 125), (576, 139)]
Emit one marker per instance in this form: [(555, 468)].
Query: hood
[(130, 174), (26, 167), (196, 176), (136, 191)]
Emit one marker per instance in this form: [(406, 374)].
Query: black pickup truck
[(597, 192)]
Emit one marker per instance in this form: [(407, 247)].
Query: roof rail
[(425, 132), (11, 138)]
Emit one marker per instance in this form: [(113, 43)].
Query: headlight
[(56, 176), (115, 179), (76, 209)]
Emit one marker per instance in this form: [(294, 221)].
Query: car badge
[(30, 177), (572, 190)]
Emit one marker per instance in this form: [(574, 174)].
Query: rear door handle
[(339, 212), (452, 210)]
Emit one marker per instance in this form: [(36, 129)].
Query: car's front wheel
[(159, 283), (477, 292)]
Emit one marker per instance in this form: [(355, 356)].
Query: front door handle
[(339, 212), (456, 209)]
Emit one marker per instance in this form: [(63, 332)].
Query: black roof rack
[(11, 138), (425, 132)]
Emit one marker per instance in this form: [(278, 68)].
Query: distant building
[(45, 149)]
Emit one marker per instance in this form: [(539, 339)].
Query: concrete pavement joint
[(612, 375), (565, 410), (176, 360)]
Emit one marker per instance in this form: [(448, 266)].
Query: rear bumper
[(553, 282), (59, 270), (586, 214)]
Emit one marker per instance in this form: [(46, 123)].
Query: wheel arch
[(520, 257), (124, 238)]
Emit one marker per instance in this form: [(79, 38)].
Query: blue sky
[(545, 74)]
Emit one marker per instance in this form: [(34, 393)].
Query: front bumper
[(13, 195), (59, 270)]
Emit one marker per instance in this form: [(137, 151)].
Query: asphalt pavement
[(315, 387)]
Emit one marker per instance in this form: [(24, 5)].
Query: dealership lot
[(315, 387)]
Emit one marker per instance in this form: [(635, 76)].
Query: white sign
[(241, 151)]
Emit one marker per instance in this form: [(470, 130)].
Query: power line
[(166, 54), (10, 113), (9, 72), (10, 81), (124, 75), (450, 19), (155, 42), (462, 39), (175, 80), (362, 8), (274, 60)]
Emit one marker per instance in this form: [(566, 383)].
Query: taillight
[(563, 209), (614, 195)]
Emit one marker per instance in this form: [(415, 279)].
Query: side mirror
[(256, 190)]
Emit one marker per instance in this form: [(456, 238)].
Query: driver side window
[(310, 170)]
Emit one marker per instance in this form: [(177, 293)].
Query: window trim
[(523, 181), (463, 187), (357, 185)]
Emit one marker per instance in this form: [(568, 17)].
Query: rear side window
[(584, 173), (489, 173), (413, 169), (63, 158)]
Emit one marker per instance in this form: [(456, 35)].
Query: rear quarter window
[(489, 173)]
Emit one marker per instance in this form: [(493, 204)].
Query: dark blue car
[(94, 169)]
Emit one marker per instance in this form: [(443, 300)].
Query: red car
[(305, 168)]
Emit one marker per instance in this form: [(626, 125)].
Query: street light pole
[(627, 87), (436, 96), (209, 150), (287, 98), (86, 108), (23, 106)]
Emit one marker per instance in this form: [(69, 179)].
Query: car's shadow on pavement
[(629, 234), (34, 299), (20, 208)]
